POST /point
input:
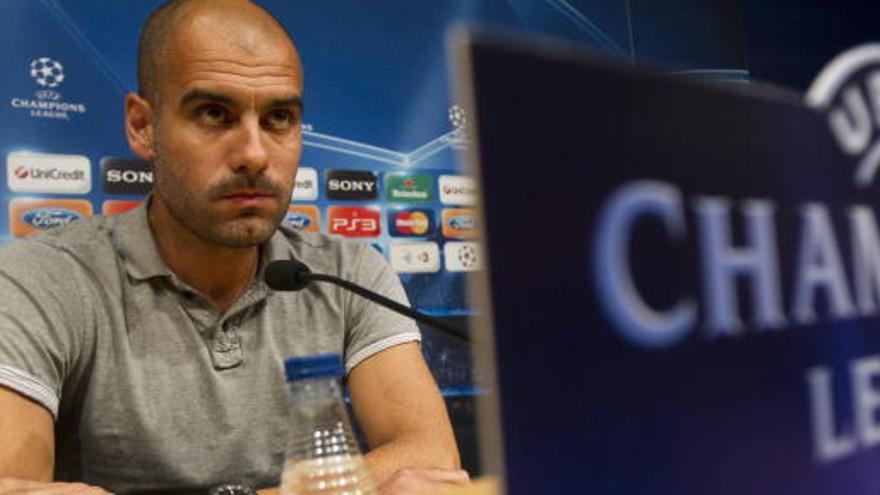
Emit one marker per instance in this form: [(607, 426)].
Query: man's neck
[(221, 273)]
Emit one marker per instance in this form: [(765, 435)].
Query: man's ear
[(140, 126)]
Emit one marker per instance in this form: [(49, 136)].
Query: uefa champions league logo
[(47, 72), (48, 75), (848, 92), (458, 118)]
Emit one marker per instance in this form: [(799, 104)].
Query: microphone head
[(286, 275)]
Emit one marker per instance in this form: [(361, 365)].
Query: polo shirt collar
[(136, 245)]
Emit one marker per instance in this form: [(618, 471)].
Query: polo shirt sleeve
[(40, 310), (371, 327)]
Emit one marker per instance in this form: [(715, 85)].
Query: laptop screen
[(679, 294)]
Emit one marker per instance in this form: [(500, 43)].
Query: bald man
[(143, 352)]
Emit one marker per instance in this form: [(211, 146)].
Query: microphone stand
[(389, 303)]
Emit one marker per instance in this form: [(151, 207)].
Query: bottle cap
[(319, 365)]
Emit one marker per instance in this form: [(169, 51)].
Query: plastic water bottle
[(322, 454)]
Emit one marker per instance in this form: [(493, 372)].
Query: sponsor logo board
[(126, 175), (48, 173), (352, 185), (303, 217), (457, 190), (414, 257), (409, 187), (306, 188), (28, 216), (416, 222), (462, 256), (115, 206), (353, 221), (459, 223)]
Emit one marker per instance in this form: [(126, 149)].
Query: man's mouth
[(249, 196)]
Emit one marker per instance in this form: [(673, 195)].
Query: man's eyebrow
[(292, 101), (201, 94)]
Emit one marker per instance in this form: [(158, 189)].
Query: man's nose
[(252, 156)]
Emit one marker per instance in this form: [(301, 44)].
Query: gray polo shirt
[(150, 385)]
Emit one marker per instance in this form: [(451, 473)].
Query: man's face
[(227, 135)]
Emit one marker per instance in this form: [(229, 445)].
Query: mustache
[(237, 183)]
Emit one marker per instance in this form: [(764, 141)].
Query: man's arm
[(27, 438), (400, 410)]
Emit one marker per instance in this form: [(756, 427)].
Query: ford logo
[(48, 217), (298, 220), (462, 222)]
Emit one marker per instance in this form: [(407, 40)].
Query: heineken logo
[(409, 187)]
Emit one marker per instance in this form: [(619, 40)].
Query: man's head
[(218, 113)]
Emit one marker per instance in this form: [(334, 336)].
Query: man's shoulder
[(85, 238), (321, 252)]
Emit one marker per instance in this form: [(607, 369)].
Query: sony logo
[(130, 176), (351, 185)]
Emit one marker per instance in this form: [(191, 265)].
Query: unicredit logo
[(48, 173), (457, 190), (126, 175), (306, 188), (352, 185), (52, 173)]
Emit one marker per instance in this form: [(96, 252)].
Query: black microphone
[(293, 275), (287, 275)]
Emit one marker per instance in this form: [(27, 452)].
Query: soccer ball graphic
[(457, 117), (467, 256), (47, 72)]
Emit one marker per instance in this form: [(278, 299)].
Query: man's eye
[(213, 115), (279, 119)]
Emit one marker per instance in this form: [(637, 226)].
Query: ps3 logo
[(848, 91), (354, 221), (352, 225)]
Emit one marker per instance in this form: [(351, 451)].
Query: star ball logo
[(47, 72), (462, 256), (848, 92), (48, 75)]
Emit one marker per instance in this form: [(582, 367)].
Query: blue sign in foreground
[(685, 278)]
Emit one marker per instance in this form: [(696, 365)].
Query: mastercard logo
[(411, 223), (29, 216)]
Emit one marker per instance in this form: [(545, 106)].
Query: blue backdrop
[(377, 100)]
